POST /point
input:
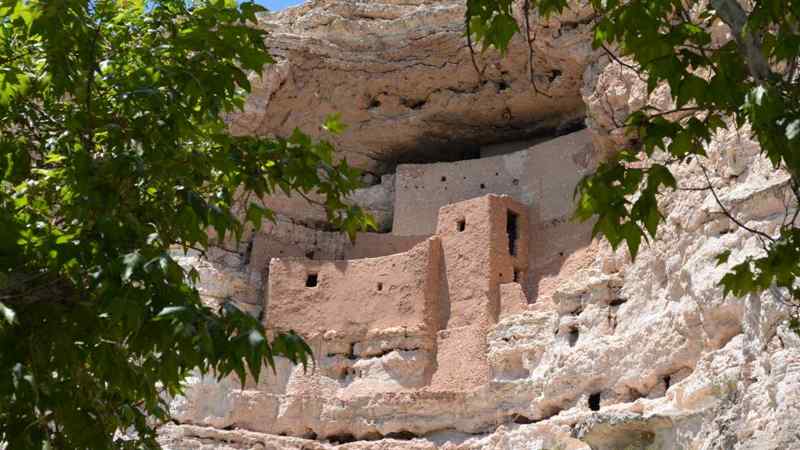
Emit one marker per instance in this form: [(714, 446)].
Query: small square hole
[(380, 286), (311, 280), (444, 179), (483, 186), (462, 225)]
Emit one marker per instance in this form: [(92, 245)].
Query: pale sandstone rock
[(641, 327), (381, 65)]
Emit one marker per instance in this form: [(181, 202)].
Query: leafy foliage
[(114, 154), (751, 79)]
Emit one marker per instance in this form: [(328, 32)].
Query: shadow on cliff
[(558, 247)]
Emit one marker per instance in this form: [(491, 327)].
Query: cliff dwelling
[(479, 314)]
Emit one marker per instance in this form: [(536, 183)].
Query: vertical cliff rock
[(400, 73)]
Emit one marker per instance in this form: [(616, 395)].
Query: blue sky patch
[(277, 5)]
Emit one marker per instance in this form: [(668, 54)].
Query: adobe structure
[(406, 312), (437, 299)]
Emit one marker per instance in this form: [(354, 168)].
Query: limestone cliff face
[(584, 350), (400, 74)]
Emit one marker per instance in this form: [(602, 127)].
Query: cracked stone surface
[(400, 74)]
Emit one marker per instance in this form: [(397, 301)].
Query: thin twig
[(725, 210), (681, 188), (526, 10), (636, 70), (468, 16)]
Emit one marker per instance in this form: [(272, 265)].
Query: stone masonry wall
[(542, 176)]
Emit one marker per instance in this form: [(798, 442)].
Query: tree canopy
[(750, 82), (114, 154)]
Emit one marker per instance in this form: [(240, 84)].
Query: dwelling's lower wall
[(350, 297), (461, 362)]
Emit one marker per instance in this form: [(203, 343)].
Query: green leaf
[(255, 338), (333, 124), (8, 314), (130, 262), (793, 130), (722, 258), (633, 237), (171, 311)]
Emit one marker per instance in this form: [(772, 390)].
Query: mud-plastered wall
[(543, 176), (353, 297)]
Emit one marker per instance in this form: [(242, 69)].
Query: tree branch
[(727, 213), (468, 16), (526, 11), (732, 13)]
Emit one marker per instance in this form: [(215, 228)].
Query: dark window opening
[(310, 254), (594, 401), (483, 186), (380, 286), (667, 380), (311, 280), (511, 229), (574, 334), (517, 276), (462, 225), (444, 179)]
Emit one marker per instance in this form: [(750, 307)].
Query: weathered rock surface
[(400, 73), (596, 352), (668, 361)]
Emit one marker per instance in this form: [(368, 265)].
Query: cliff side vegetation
[(114, 155)]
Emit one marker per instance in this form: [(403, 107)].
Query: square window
[(462, 225), (312, 280)]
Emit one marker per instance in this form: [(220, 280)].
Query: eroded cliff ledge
[(484, 318), (400, 73)]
